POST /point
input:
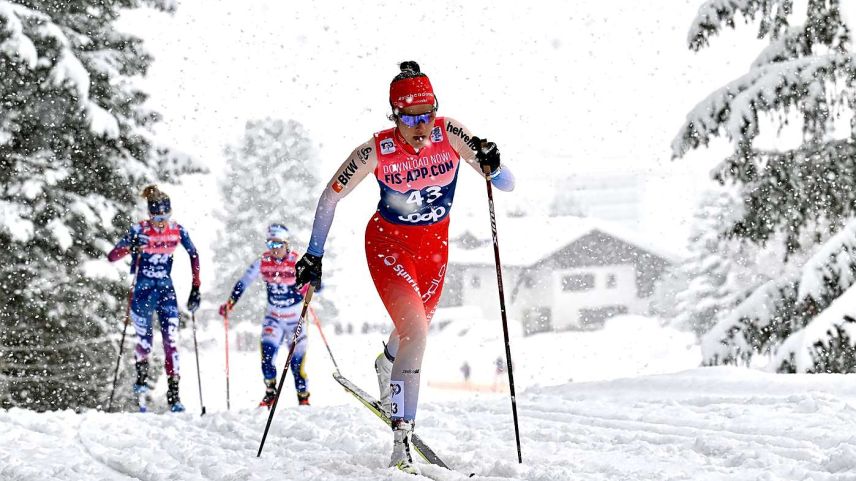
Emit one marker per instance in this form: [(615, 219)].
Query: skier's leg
[(383, 369), (271, 337), (392, 344), (431, 265), (298, 371), (168, 317), (142, 308), (431, 276), (393, 272), (406, 309), (288, 317)]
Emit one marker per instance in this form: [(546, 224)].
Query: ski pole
[(135, 268), (502, 309), (324, 338), (297, 330), (198, 374), (226, 327)]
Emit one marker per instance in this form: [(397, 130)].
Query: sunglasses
[(273, 244), (161, 217), (412, 120)]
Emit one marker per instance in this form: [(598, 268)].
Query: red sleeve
[(117, 253)]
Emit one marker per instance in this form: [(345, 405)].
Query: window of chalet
[(611, 281), (578, 282)]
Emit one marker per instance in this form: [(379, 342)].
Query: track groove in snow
[(94, 451), (704, 424)]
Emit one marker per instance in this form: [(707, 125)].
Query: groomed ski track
[(702, 424)]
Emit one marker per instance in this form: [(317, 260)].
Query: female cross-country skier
[(152, 243), (276, 267), (416, 166)]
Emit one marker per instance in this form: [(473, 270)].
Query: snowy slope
[(702, 424), (627, 346)]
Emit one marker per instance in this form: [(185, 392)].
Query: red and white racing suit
[(407, 238)]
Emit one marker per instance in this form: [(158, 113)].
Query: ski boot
[(270, 393), (303, 398), (141, 392), (172, 396), (141, 389), (402, 429), (383, 368)]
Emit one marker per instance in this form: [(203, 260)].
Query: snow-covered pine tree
[(825, 287), (716, 269), (74, 150), (797, 197), (666, 290), (272, 175)]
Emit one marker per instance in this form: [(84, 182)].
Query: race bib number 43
[(420, 204)]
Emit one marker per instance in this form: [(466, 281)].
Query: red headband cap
[(411, 91)]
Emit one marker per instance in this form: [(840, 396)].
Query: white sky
[(562, 87), (601, 87)]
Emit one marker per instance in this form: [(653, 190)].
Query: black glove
[(487, 154), (308, 270), (193, 300)]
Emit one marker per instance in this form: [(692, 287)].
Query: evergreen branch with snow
[(806, 84), (791, 44), (754, 326), (792, 191), (799, 317), (824, 25), (713, 15), (832, 269), (827, 344)]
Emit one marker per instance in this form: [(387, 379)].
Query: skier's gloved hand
[(227, 307), (140, 240), (487, 154), (308, 270), (193, 300)]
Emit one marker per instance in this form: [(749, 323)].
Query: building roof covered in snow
[(526, 241)]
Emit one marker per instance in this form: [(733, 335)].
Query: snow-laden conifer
[(75, 148), (796, 199)]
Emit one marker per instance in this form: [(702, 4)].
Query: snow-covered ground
[(627, 346), (632, 424), (702, 424)]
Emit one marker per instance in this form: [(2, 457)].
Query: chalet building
[(559, 273)]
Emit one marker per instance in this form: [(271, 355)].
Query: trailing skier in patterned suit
[(276, 266), (152, 243)]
